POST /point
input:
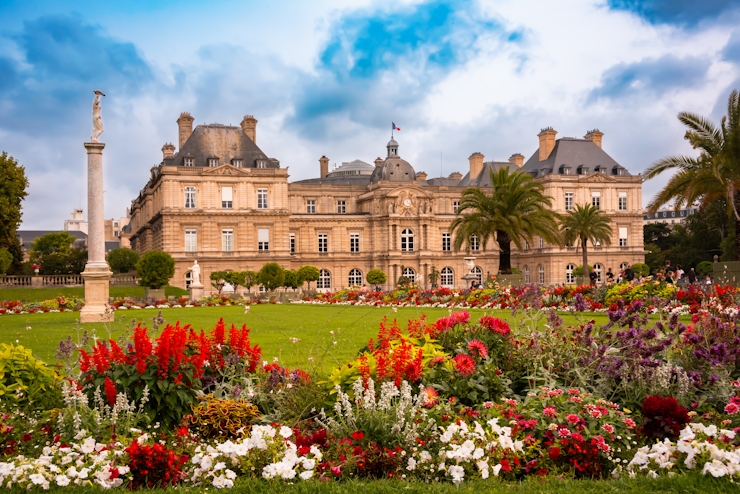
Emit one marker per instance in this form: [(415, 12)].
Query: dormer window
[(237, 163), (565, 170), (261, 164), (618, 170), (188, 162), (213, 162)]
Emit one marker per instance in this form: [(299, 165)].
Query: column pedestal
[(97, 291), (196, 292)]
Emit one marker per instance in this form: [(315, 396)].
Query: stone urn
[(36, 271)]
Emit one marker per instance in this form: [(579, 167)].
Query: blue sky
[(327, 77)]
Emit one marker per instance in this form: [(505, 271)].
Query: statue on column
[(195, 273), (97, 119)]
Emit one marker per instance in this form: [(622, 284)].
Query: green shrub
[(6, 260), (213, 418), (122, 260), (272, 276), (641, 269), (705, 268), (579, 270), (309, 273), (292, 279), (218, 280), (376, 277), (155, 269), (26, 380)]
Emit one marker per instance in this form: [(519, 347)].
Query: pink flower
[(478, 347), (464, 364), (563, 432), (573, 418), (574, 392), (550, 411), (575, 399), (732, 408), (487, 404), (608, 428), (629, 423), (495, 325), (460, 317)]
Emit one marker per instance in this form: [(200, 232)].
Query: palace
[(220, 200)]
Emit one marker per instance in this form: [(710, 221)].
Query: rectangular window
[(227, 197), (526, 245), (542, 243), (341, 207), (596, 199), (474, 242), (292, 243), (323, 242), (261, 164), (191, 240), (213, 162), (455, 206), (237, 163), (311, 206), (261, 198), (623, 202), (354, 242), (189, 197), (263, 239), (623, 236), (569, 201), (188, 162), (446, 242), (227, 240)]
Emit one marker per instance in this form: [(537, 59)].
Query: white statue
[(97, 119), (195, 274)]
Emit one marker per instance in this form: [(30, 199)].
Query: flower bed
[(444, 401)]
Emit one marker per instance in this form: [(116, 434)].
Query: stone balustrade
[(61, 280)]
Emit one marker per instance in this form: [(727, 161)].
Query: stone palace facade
[(220, 200)]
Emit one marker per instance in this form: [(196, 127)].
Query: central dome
[(393, 168)]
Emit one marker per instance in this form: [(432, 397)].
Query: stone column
[(97, 273)]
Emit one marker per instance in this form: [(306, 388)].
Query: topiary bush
[(272, 276), (155, 269), (26, 381), (309, 273), (122, 260), (704, 268), (376, 277)]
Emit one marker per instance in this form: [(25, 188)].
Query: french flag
[(394, 126)]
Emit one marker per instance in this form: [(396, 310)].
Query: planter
[(157, 293)]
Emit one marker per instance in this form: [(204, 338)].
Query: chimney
[(249, 126), (378, 161), (517, 159), (168, 150), (455, 176), (421, 176), (184, 127), (594, 135), (547, 142), (324, 166), (476, 165)]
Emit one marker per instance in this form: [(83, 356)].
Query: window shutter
[(622, 232), (226, 194), (263, 235)]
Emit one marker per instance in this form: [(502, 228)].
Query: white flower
[(457, 473), (411, 465), (306, 475), (286, 432), (62, 480), (37, 479)]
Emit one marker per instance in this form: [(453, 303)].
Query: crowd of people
[(669, 274)]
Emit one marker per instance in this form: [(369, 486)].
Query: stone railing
[(61, 280)]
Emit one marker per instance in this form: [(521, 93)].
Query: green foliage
[(403, 281), (223, 419), (25, 380), (13, 184), (586, 224), (52, 243), (376, 277), (578, 271), (309, 273), (6, 260), (235, 278), (433, 275), (155, 269), (250, 279), (705, 268), (654, 258), (122, 260), (218, 280), (55, 254), (516, 211), (272, 276), (641, 269), (292, 279)]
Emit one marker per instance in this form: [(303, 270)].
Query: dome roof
[(395, 169), (392, 142)]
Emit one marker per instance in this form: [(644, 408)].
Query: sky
[(328, 77)]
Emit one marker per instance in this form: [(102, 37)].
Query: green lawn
[(39, 294), (273, 327)]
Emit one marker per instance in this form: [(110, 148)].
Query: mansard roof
[(484, 177), (223, 142), (574, 154)]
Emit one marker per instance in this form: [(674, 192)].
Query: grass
[(686, 484), (39, 294), (273, 327)]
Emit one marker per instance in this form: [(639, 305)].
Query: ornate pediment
[(224, 169), (596, 177), (409, 202)]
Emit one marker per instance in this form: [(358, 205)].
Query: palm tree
[(714, 174), (516, 211), (584, 223)]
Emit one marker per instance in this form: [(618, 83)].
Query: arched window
[(598, 268), (447, 278), (407, 240), (324, 279), (355, 277), (477, 271), (569, 277), (526, 274), (410, 274), (541, 274)]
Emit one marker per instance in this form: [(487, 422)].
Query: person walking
[(609, 276), (692, 276), (629, 274)]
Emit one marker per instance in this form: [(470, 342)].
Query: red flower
[(478, 347), (431, 397), (554, 453), (464, 364), (110, 391), (495, 325), (358, 435)]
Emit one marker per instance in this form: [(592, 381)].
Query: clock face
[(407, 202)]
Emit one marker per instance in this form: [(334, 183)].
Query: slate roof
[(394, 169), (484, 178), (223, 142), (574, 153), (337, 180)]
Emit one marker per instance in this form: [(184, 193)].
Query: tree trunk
[(586, 270), (504, 243)]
